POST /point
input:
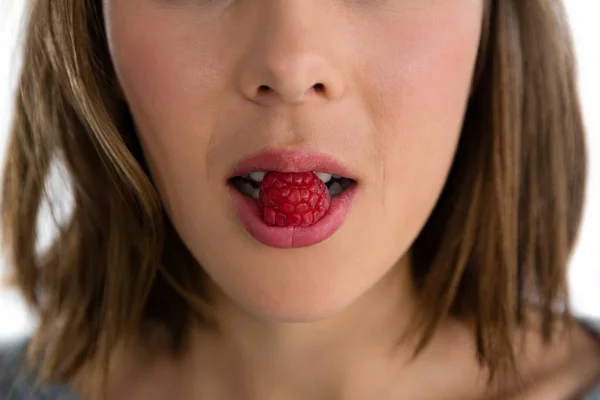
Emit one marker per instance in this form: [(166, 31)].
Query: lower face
[(372, 90)]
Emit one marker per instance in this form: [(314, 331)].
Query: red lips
[(291, 235)]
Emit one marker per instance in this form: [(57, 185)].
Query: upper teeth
[(258, 176), (325, 177)]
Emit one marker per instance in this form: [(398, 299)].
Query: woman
[(292, 199)]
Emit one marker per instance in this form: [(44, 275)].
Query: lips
[(250, 170), (300, 161)]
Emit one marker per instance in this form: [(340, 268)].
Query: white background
[(585, 266)]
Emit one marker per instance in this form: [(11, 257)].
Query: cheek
[(422, 83), (173, 101)]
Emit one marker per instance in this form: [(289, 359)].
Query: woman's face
[(378, 86)]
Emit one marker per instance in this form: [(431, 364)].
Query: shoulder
[(566, 367), (592, 326), (17, 383), (12, 383), (594, 395)]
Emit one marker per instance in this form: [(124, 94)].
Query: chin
[(292, 286), (296, 310)]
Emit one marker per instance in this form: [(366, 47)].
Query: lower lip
[(292, 236)]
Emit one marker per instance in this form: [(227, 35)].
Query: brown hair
[(504, 225)]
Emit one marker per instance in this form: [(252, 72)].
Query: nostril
[(266, 91), (263, 89)]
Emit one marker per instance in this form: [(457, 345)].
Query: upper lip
[(291, 161)]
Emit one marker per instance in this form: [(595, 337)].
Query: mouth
[(249, 184), (291, 199)]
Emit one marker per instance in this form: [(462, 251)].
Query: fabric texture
[(18, 384)]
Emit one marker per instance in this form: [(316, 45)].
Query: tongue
[(292, 199)]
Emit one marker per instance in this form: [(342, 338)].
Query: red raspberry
[(292, 199)]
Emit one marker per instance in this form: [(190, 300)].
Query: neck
[(322, 357)]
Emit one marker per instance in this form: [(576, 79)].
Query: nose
[(291, 60)]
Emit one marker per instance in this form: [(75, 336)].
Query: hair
[(504, 226)]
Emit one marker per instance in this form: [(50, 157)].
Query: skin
[(394, 81)]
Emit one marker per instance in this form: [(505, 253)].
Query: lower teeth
[(335, 189), (247, 189)]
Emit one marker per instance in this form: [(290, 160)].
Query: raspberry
[(292, 199)]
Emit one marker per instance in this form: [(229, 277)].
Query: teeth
[(325, 177), (246, 188), (250, 188), (336, 176), (257, 176), (335, 189)]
